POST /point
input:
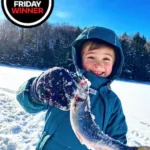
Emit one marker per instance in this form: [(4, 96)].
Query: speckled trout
[(84, 127)]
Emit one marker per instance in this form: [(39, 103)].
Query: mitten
[(56, 87)]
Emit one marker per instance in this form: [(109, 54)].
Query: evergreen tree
[(139, 51), (128, 64)]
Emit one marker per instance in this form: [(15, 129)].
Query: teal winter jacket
[(105, 104)]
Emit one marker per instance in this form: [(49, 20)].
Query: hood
[(105, 35)]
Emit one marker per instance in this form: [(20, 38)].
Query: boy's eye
[(90, 57), (107, 59)]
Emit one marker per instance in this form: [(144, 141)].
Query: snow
[(20, 130), (135, 100)]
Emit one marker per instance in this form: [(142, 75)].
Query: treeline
[(43, 46), (137, 57), (49, 45)]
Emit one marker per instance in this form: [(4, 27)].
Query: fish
[(84, 126)]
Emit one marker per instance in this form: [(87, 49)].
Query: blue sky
[(128, 16)]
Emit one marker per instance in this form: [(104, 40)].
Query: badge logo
[(27, 13)]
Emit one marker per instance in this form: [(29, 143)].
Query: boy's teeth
[(98, 73)]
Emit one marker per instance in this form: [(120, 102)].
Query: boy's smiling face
[(98, 61)]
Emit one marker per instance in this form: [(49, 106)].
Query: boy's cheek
[(108, 71), (86, 66)]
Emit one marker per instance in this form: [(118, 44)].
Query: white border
[(28, 24)]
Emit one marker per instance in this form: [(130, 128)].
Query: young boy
[(97, 56)]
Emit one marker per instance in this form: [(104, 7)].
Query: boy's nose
[(98, 65)]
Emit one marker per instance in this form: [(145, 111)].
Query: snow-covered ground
[(20, 130), (135, 99)]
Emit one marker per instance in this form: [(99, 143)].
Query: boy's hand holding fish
[(56, 86)]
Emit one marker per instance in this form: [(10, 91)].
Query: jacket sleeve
[(25, 100), (117, 126)]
